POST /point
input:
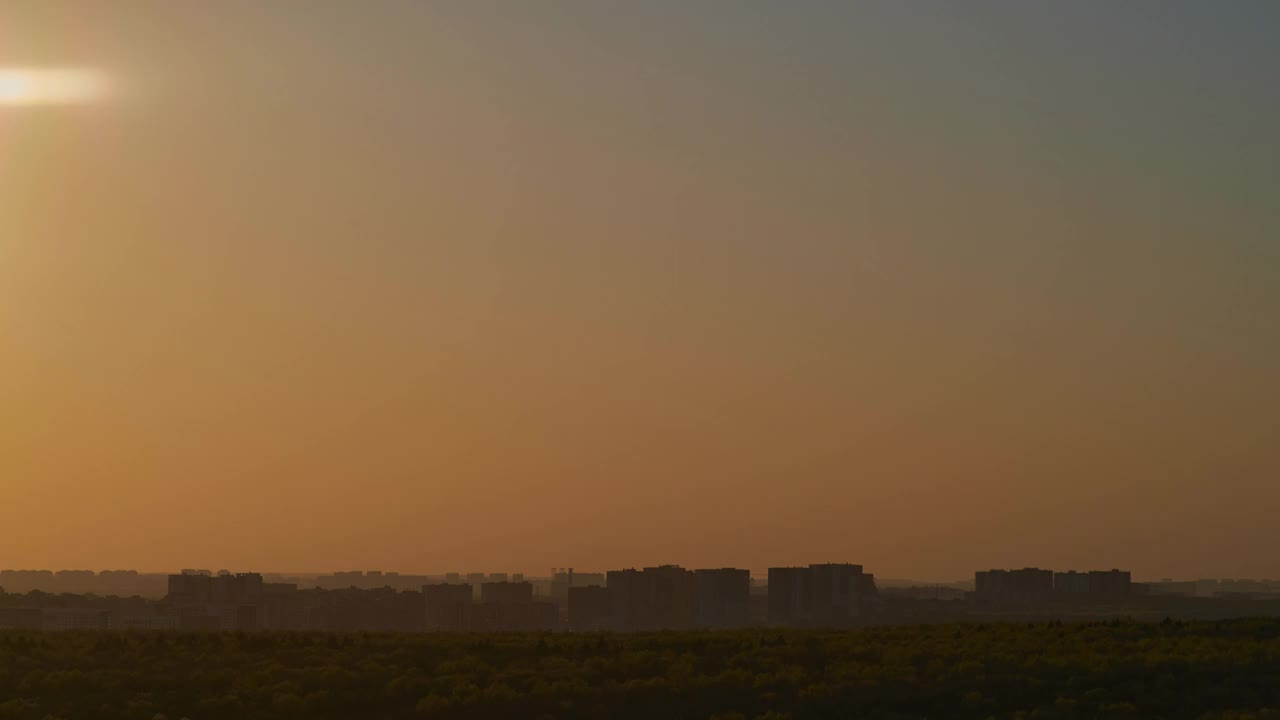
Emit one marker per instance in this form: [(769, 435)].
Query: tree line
[(1225, 670)]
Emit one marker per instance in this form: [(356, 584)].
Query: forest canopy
[(1212, 670)]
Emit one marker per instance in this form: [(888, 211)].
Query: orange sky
[(430, 287)]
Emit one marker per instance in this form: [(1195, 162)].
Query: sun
[(52, 86), (13, 87)]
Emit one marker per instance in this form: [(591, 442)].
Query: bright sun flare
[(60, 86)]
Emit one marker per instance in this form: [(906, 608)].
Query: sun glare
[(61, 86)]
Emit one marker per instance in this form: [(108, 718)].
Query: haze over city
[(505, 286)]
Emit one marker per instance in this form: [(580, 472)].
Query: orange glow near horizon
[(508, 286), (52, 86)]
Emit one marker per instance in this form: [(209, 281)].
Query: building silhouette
[(589, 608), (722, 597), (820, 595), (788, 595), (1013, 586), (203, 601), (629, 599), (509, 606), (447, 607), (1034, 585), (1071, 583), (661, 597), (653, 598), (511, 593), (564, 578), (671, 595)]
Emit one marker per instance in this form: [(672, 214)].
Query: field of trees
[(1213, 670)]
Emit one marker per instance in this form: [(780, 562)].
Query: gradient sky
[(429, 286)]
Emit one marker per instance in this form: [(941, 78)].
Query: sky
[(454, 285)]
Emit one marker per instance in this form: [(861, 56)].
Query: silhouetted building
[(190, 588), (241, 617), (370, 580), (200, 589), (834, 594), (398, 611), (1109, 583), (506, 592), (238, 589), (561, 581), (564, 578), (282, 607), (821, 595), (661, 597), (1071, 583), (589, 608), (1016, 586), (1092, 585), (723, 597), (788, 595), (448, 607), (232, 601), (628, 599), (352, 609), (673, 596), (509, 606)]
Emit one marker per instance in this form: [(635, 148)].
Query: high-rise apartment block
[(822, 595)]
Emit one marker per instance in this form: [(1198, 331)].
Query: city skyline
[(937, 286), (652, 598), (371, 576)]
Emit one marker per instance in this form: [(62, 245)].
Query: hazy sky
[(428, 286)]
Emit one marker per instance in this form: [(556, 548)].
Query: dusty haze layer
[(455, 285)]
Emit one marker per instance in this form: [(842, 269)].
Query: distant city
[(652, 598)]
